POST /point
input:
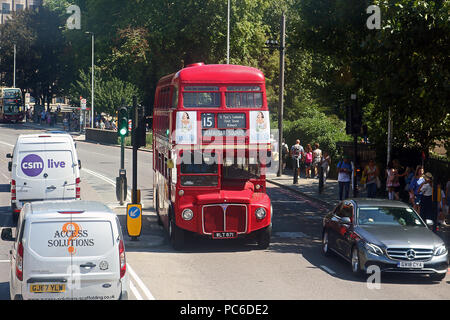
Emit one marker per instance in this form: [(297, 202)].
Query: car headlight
[(187, 214), (374, 249), (439, 251), (260, 213)]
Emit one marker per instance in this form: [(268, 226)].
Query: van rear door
[(96, 260), (30, 170), (47, 264), (60, 174)]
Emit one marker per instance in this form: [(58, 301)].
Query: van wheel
[(176, 234), (263, 237)]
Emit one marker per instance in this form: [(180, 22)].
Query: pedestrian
[(414, 185), (344, 171), (371, 173), (401, 174), (426, 204), (284, 154), (297, 152), (392, 182), (442, 205), (308, 161), (325, 163), (317, 157), (102, 125)]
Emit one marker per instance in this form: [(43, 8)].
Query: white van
[(70, 250), (43, 167)]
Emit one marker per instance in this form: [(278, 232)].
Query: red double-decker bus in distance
[(211, 148), (12, 108)]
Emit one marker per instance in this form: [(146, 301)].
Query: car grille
[(225, 217), (410, 254)]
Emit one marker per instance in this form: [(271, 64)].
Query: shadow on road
[(4, 291), (5, 187)]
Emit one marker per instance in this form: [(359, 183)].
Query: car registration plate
[(410, 264), (224, 235), (47, 288)]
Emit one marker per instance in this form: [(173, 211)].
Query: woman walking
[(371, 173), (426, 205), (415, 197), (308, 161), (392, 182)]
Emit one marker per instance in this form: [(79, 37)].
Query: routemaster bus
[(11, 105), (211, 148)]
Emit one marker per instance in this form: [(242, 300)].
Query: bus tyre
[(176, 234), (263, 237), (157, 209)]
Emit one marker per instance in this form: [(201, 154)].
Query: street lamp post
[(14, 73), (92, 80), (228, 33), (272, 44)]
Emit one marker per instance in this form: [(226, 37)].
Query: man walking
[(344, 173), (297, 152)]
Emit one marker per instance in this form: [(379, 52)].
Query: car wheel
[(356, 265), (438, 276), (263, 237), (176, 234), (325, 244)]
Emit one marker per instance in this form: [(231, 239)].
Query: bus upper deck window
[(201, 96), (244, 97)]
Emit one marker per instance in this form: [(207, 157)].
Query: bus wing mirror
[(170, 164)]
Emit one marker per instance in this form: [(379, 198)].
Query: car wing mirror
[(7, 235), (429, 222)]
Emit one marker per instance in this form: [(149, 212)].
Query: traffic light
[(122, 122), (138, 138), (353, 119)]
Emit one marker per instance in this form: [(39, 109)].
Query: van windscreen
[(63, 238)]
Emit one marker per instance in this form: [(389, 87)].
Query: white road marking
[(106, 179), (135, 291), (5, 261), (140, 284), (7, 144), (328, 270)]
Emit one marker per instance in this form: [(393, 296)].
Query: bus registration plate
[(224, 235)]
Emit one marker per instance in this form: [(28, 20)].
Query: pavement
[(309, 188)]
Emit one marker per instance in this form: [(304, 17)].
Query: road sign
[(134, 219)]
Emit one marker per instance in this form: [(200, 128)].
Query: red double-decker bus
[(11, 105), (211, 147)]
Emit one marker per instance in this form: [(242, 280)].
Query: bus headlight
[(187, 214), (181, 193), (260, 213)]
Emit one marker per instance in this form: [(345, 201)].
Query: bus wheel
[(176, 234), (157, 209), (263, 237)]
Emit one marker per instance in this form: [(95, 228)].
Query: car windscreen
[(393, 216), (63, 238)]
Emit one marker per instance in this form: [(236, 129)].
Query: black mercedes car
[(384, 233)]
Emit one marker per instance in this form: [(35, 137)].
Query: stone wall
[(102, 136)]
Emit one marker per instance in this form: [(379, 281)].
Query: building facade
[(8, 7)]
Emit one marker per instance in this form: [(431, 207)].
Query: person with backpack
[(297, 152)]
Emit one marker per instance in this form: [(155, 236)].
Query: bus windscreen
[(244, 97)]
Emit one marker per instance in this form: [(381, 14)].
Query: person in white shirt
[(426, 205)]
